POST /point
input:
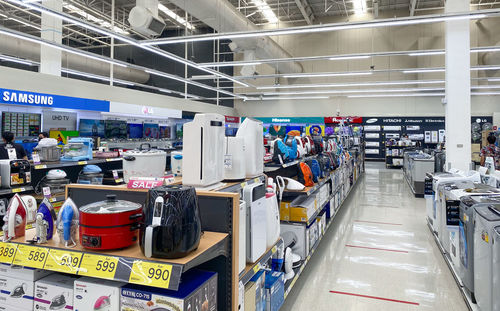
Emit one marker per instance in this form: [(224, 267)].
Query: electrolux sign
[(15, 97)]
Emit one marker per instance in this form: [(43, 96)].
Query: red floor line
[(378, 249), (374, 297), (377, 222)]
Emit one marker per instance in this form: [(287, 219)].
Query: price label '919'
[(63, 261), (99, 266), (152, 274), (30, 256), (7, 252)]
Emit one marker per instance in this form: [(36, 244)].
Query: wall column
[(458, 97), (50, 58)]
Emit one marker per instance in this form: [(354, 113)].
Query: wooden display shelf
[(127, 260), (253, 268)]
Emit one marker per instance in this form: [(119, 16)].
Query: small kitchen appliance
[(78, 149)]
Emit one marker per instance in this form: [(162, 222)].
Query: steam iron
[(67, 223), (14, 219), (18, 291), (47, 221), (31, 207), (103, 303), (57, 303)]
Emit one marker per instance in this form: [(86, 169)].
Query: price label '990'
[(150, 273)]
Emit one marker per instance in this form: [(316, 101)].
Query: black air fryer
[(172, 224)]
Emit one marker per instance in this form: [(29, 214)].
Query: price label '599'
[(99, 266), (151, 274)]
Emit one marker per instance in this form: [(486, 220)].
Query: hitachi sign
[(24, 98)]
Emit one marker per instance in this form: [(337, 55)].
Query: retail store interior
[(203, 155)]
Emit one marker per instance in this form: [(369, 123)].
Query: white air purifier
[(242, 255), (273, 219), (251, 131), (203, 150), (234, 158), (255, 197)]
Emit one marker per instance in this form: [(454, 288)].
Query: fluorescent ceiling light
[(15, 60), (266, 10), (74, 9), (427, 53), (298, 86), (84, 74), (494, 80), (231, 64), (357, 91), (333, 74), (480, 50), (485, 68), (413, 20), (349, 57), (424, 70), (165, 91), (175, 17), (359, 6), (397, 95), (485, 93), (287, 98)]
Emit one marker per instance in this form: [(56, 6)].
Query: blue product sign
[(15, 97)]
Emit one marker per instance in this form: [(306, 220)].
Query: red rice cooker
[(110, 224)]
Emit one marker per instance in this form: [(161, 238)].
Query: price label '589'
[(151, 274), (30, 256)]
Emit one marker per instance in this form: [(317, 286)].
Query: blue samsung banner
[(15, 97)]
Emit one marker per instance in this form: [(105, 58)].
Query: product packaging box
[(197, 291), (299, 232), (260, 291), (17, 286), (285, 210), (54, 292), (312, 234), (275, 290), (250, 293), (324, 194), (303, 208), (96, 294)]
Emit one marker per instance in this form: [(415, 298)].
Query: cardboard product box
[(322, 222), (250, 293), (285, 210), (329, 209), (197, 291), (260, 291), (303, 208), (94, 293), (312, 234), (298, 232), (324, 194), (54, 292), (17, 285), (275, 290), (9, 308)]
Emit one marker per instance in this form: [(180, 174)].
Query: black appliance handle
[(145, 144), (135, 216), (129, 158)]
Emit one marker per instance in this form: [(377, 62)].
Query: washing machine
[(431, 197), (486, 219), (466, 237), (453, 198), (496, 272)]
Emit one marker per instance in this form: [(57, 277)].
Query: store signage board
[(143, 111), (291, 120), (42, 100), (59, 120)]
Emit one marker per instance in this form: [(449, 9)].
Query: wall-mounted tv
[(91, 128), (151, 130), (115, 129), (135, 130)]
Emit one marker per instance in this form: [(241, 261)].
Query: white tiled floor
[(399, 259)]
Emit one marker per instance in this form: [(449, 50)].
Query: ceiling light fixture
[(175, 17), (427, 53), (357, 91), (15, 60), (397, 95), (485, 68), (230, 64), (494, 80), (332, 74), (286, 98), (74, 9), (424, 70), (165, 91), (298, 86), (349, 57), (413, 20)]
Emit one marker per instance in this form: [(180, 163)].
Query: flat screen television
[(151, 130), (91, 128), (135, 130), (115, 129)]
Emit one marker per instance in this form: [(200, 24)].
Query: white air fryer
[(242, 255), (203, 150), (234, 158), (252, 132), (255, 197)]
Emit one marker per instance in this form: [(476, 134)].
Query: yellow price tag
[(7, 252), (17, 190), (30, 256), (256, 269), (82, 162), (40, 167), (256, 180), (151, 274), (99, 266), (119, 180), (29, 226), (61, 260), (243, 184), (274, 249), (52, 199)]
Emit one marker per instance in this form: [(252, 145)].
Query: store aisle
[(378, 246)]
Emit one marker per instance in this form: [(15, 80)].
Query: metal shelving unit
[(252, 269)]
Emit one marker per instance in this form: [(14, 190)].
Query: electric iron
[(58, 302), (47, 215), (14, 219), (31, 207), (67, 223), (18, 291), (103, 303)]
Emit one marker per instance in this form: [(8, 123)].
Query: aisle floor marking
[(375, 297), (378, 222), (378, 249)]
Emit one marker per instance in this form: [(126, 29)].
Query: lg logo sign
[(147, 110)]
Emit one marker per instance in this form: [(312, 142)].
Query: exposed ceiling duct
[(31, 51), (222, 16), (492, 58)]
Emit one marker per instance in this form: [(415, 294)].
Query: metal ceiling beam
[(413, 6), (306, 11)]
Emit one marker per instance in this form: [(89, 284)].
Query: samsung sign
[(15, 97)]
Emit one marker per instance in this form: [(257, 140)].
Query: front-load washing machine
[(486, 219), (466, 237)]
